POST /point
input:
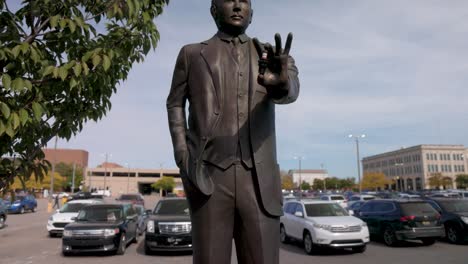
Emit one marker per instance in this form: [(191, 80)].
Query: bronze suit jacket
[(197, 80)]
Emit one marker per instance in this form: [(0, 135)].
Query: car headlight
[(464, 219), (324, 227), (150, 226), (67, 233), (111, 232)]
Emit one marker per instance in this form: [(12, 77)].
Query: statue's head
[(232, 16)]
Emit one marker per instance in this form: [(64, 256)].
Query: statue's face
[(232, 16)]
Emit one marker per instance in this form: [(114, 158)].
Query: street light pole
[(300, 158), (105, 171), (128, 178), (356, 137)]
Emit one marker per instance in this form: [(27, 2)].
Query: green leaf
[(85, 68), (28, 84), (5, 110), (77, 69), (86, 56), (15, 121), (24, 47), (17, 84), (79, 21), (15, 51), (54, 21), (9, 130), (73, 83), (96, 60), (131, 7), (56, 72), (48, 70), (63, 23), (6, 79), (63, 73), (24, 116), (37, 111), (146, 17), (2, 128), (72, 26), (106, 62), (34, 55)]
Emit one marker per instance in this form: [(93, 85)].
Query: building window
[(428, 157)]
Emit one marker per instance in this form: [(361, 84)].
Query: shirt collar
[(228, 38)]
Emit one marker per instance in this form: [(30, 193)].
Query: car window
[(337, 198), (323, 210), (435, 205), (465, 195), (72, 207), (460, 206), (383, 207), (354, 198), (100, 214), (324, 198), (299, 208), (172, 207), (366, 207), (418, 208), (290, 207)]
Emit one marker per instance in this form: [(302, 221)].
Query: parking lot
[(25, 240)]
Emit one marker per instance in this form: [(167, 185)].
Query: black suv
[(395, 220), (454, 218)]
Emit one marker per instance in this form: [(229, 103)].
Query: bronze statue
[(226, 147)]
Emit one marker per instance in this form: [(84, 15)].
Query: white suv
[(337, 198), (322, 223), (63, 217)]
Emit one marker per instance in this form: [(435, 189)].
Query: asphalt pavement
[(25, 241)]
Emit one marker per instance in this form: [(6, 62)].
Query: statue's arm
[(292, 85), (175, 104)]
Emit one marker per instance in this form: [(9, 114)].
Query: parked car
[(355, 206), (340, 199), (101, 227), (3, 213), (322, 224), (134, 198), (84, 196), (445, 195), (142, 218), (397, 220), (57, 222), (454, 218), (23, 203), (362, 197), (169, 227), (408, 196)]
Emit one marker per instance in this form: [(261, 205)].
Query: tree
[(305, 186), (318, 184), (165, 183), (60, 63), (374, 181), (287, 182), (462, 181), (66, 170), (436, 180)]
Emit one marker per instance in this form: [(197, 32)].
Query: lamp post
[(398, 176), (105, 169), (357, 137), (300, 158), (128, 176)]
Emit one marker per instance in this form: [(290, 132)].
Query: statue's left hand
[(275, 61)]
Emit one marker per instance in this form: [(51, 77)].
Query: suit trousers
[(232, 212)]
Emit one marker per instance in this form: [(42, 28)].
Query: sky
[(395, 71)]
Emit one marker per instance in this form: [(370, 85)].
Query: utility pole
[(358, 159), (105, 172), (300, 158), (73, 178)]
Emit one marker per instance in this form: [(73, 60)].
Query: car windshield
[(129, 197), (336, 198), (140, 210), (100, 214), (322, 210), (72, 207), (455, 206), (417, 209), (172, 207)]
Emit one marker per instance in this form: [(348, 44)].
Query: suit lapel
[(212, 56)]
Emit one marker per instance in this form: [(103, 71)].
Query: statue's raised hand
[(273, 63)]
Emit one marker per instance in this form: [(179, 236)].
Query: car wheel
[(122, 245), (33, 209), (428, 241), (452, 234), (360, 249), (2, 221), (22, 210), (309, 246), (389, 237), (52, 234), (283, 236)]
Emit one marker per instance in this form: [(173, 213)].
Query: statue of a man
[(226, 147)]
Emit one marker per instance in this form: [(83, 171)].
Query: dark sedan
[(103, 227), (454, 218), (169, 227)]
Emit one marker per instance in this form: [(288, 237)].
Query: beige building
[(410, 168), (120, 179), (308, 175)]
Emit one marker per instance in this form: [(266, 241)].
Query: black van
[(454, 218), (396, 220)]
